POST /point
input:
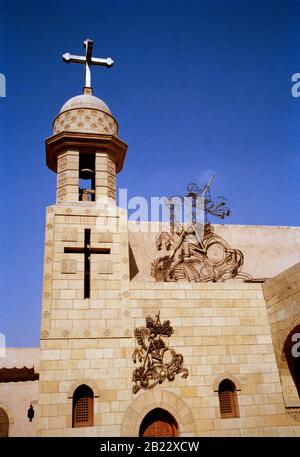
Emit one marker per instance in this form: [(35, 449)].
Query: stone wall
[(221, 329), (81, 337), (282, 294), (222, 332)]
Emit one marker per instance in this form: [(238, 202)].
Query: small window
[(83, 406), (228, 399)]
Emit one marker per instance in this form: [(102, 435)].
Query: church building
[(152, 328)]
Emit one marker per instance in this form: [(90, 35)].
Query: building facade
[(199, 341)]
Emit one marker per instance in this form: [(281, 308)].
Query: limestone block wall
[(65, 311), (222, 330), (80, 335), (67, 176), (282, 294)]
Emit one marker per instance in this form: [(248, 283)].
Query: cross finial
[(88, 60)]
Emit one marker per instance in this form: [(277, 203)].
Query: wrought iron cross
[(88, 61)]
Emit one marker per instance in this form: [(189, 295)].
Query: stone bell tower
[(85, 148), (86, 268)]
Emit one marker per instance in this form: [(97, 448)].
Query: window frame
[(231, 390), (83, 391)]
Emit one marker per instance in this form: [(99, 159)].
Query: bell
[(86, 173)]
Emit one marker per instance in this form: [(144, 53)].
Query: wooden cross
[(87, 250), (88, 61)]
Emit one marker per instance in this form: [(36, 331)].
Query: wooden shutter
[(83, 400), (227, 399)]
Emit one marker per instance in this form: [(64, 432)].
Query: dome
[(85, 101), (85, 114)]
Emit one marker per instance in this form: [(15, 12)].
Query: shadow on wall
[(133, 268)]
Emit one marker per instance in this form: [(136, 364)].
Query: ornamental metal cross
[(88, 60)]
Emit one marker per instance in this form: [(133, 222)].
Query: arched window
[(158, 422), (83, 407), (228, 399), (4, 423), (292, 354)]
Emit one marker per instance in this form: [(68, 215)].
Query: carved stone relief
[(85, 120)]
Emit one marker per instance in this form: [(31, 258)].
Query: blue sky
[(197, 87)]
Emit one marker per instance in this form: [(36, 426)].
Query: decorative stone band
[(85, 120)]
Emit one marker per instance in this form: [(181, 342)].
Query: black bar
[(87, 241), (100, 250), (69, 250), (200, 447)]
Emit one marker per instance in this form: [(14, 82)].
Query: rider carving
[(158, 361)]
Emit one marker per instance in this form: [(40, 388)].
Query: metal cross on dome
[(88, 61)]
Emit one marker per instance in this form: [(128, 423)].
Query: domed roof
[(85, 114), (85, 101)]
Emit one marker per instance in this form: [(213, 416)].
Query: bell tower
[(85, 306), (85, 151)]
